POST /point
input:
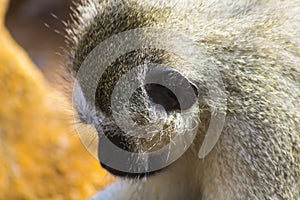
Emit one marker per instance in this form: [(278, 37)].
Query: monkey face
[(142, 121), (142, 103), (136, 89)]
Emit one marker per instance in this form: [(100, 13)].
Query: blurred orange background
[(41, 156)]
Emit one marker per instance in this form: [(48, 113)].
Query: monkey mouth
[(126, 143), (130, 157), (124, 174)]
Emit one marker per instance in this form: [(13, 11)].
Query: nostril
[(163, 96), (171, 89)]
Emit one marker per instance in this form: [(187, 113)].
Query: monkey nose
[(170, 89)]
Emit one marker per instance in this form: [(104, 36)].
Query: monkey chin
[(128, 175)]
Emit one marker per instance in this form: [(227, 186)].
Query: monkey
[(252, 45)]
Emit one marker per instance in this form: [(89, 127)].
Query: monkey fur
[(255, 45)]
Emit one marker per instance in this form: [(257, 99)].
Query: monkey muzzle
[(144, 127)]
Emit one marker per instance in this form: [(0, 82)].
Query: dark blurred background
[(37, 26)]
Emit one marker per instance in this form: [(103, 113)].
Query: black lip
[(128, 174)]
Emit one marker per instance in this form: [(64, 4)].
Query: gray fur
[(256, 46)]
